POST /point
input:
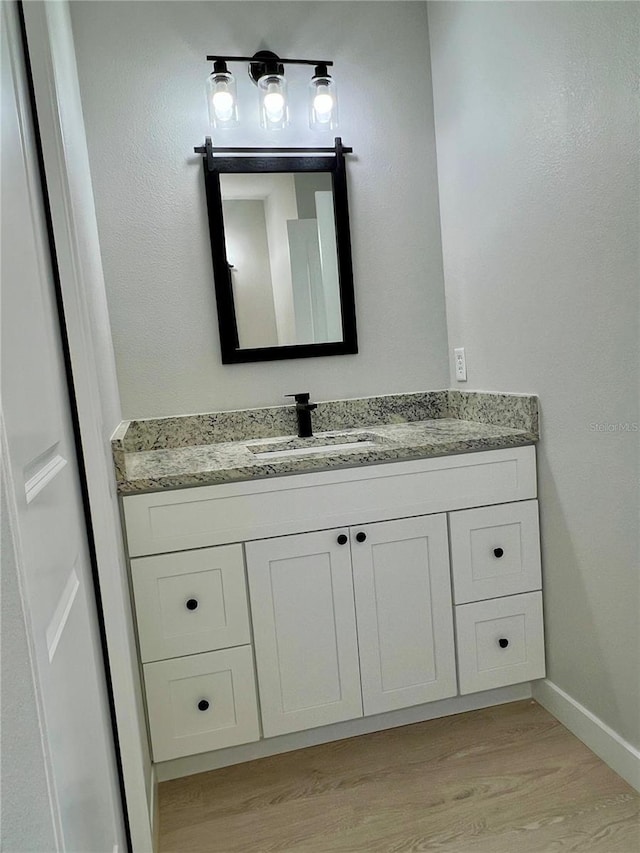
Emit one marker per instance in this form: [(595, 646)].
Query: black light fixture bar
[(257, 59)]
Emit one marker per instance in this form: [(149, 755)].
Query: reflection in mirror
[(280, 236)]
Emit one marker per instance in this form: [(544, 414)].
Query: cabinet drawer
[(194, 601), (500, 642), (495, 551), (258, 509), (202, 702)]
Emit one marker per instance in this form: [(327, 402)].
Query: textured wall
[(537, 139), (142, 72)]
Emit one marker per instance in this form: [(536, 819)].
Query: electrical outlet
[(461, 364)]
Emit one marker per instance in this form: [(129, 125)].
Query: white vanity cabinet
[(371, 589)]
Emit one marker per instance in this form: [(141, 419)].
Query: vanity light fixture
[(266, 69), (221, 96), (323, 100), (272, 88)]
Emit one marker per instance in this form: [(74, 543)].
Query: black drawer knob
[(203, 705), (503, 642), (192, 604), (498, 552), (361, 537), (342, 539)]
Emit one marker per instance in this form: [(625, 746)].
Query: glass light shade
[(323, 103), (274, 108), (222, 99)]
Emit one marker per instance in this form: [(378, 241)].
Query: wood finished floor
[(509, 779)]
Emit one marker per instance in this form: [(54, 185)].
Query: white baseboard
[(204, 762), (620, 755)]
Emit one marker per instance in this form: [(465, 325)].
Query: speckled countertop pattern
[(191, 430), (201, 450)]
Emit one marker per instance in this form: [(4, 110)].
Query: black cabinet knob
[(361, 537), (203, 705), (503, 643), (192, 604), (342, 539), (498, 552)]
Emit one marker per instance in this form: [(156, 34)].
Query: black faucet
[(303, 411)]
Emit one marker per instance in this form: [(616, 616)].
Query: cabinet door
[(301, 594), (403, 606)]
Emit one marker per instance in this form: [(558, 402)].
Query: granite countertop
[(200, 450)]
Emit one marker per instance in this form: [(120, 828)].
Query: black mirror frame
[(214, 166)]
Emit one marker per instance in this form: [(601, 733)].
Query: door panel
[(304, 628), (403, 605), (52, 546)]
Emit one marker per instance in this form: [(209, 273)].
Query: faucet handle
[(302, 398)]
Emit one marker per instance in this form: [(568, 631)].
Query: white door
[(306, 279), (304, 628), (403, 606), (46, 498)]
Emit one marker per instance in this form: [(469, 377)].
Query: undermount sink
[(315, 444)]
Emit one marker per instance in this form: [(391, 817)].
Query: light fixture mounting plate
[(259, 63)]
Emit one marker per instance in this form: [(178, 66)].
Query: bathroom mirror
[(281, 252)]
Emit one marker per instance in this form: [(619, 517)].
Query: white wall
[(142, 70), (537, 138)]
